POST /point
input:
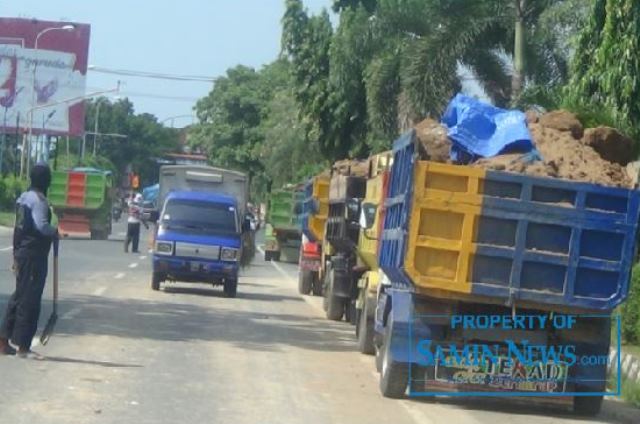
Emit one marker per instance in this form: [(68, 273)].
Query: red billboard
[(43, 69)]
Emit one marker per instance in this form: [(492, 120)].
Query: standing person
[(35, 229), (133, 224)]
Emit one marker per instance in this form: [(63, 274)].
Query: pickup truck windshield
[(199, 216)]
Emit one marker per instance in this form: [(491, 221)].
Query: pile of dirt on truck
[(568, 151)]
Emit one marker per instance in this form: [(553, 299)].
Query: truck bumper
[(308, 263), (420, 326), (195, 271)]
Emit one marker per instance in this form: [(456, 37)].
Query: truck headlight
[(164, 248), (228, 254)]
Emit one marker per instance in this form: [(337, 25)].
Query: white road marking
[(99, 291), (308, 299), (72, 313), (418, 416), (6, 249), (119, 276), (143, 257), (133, 265)]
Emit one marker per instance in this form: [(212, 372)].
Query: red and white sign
[(53, 74)]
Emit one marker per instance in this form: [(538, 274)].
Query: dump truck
[(463, 243), (347, 188), (367, 250), (283, 230), (82, 198), (315, 209)]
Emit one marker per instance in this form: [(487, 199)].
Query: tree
[(230, 118), (306, 43), (146, 139), (286, 156), (606, 65)]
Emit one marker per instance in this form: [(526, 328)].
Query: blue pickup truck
[(199, 239)]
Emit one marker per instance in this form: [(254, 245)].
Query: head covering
[(41, 177)]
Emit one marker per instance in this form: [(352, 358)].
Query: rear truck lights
[(164, 248), (227, 254)]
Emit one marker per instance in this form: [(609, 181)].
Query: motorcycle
[(116, 213)]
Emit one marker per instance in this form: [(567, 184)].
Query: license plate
[(196, 266), (507, 376)]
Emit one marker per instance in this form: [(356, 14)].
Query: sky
[(188, 37)]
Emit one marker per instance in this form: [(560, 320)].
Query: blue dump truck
[(499, 284), (201, 227)]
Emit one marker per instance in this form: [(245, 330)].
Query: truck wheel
[(316, 286), (394, 376), (335, 305), (156, 279), (267, 255), (587, 406), (275, 256), (365, 329), (231, 288), (305, 281)]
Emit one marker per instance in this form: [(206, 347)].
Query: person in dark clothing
[(35, 229)]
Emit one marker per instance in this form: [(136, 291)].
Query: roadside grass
[(631, 349), (6, 219), (631, 392)]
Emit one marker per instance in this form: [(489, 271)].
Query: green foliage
[(631, 310), (606, 66), (250, 122), (631, 392), (230, 117), (10, 189), (146, 140), (287, 157), (306, 41)]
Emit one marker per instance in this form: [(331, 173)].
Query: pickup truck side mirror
[(367, 215)]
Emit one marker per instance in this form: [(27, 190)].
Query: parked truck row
[(399, 244)]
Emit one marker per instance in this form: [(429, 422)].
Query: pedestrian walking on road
[(133, 224), (35, 228)]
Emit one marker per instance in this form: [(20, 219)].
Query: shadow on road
[(86, 362), (184, 322), (514, 406)]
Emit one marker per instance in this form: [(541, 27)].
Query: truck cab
[(198, 240)]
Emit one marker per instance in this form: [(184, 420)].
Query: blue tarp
[(478, 130), (151, 193)]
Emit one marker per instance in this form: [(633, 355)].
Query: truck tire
[(275, 256), (335, 305), (305, 281), (156, 279), (267, 255), (587, 406), (231, 288), (394, 376), (316, 286), (365, 329)]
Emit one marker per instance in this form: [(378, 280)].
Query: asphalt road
[(125, 354)]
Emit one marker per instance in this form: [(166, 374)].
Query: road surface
[(123, 353)]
